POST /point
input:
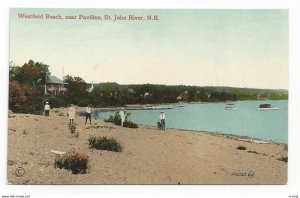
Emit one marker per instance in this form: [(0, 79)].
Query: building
[(55, 86)]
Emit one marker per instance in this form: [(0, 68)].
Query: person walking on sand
[(71, 113), (122, 116), (47, 109), (162, 120), (88, 114)]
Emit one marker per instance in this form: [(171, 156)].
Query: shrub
[(104, 143), (116, 119), (73, 161), (253, 152), (130, 124), (58, 100), (241, 148), (72, 129)]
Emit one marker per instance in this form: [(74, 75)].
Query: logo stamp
[(20, 172)]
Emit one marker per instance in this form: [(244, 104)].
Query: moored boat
[(267, 107), (230, 106)]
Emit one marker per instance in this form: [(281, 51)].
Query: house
[(55, 86)]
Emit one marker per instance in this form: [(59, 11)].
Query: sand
[(150, 156)]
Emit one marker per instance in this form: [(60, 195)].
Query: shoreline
[(150, 156), (81, 111), (140, 106)]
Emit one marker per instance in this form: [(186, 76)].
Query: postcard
[(148, 96)]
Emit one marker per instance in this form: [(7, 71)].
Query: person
[(162, 120), (122, 116), (71, 113), (88, 114), (47, 109)]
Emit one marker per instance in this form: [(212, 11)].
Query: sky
[(237, 48)]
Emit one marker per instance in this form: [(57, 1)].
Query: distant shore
[(150, 156)]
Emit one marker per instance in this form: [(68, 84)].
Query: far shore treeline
[(27, 85)]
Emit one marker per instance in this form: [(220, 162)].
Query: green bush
[(116, 119), (73, 161), (58, 100), (83, 103), (130, 124), (72, 129), (104, 143)]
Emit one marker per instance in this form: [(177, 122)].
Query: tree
[(27, 75), (43, 70), (77, 91), (30, 73), (25, 90), (17, 96)]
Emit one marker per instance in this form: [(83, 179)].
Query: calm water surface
[(245, 120)]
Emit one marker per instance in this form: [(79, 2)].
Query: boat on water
[(267, 107), (230, 106)]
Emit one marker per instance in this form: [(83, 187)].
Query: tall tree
[(77, 91)]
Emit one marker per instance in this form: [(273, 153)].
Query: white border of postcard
[(46, 191)]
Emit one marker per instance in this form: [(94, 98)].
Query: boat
[(267, 107), (180, 106), (230, 106)]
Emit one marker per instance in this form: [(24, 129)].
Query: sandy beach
[(150, 156)]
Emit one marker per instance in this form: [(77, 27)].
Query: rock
[(34, 152), (58, 152)]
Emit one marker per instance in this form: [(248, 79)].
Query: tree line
[(26, 92)]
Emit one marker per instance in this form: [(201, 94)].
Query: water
[(245, 120)]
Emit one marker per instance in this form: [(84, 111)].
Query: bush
[(73, 161), (253, 152), (116, 119), (104, 143), (241, 148), (58, 100), (72, 129), (130, 124)]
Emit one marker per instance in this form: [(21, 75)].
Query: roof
[(54, 80)]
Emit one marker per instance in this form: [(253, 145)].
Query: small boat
[(267, 107), (230, 107), (180, 106)]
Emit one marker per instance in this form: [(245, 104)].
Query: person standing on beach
[(162, 120), (71, 113), (122, 116), (47, 109), (88, 114)]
